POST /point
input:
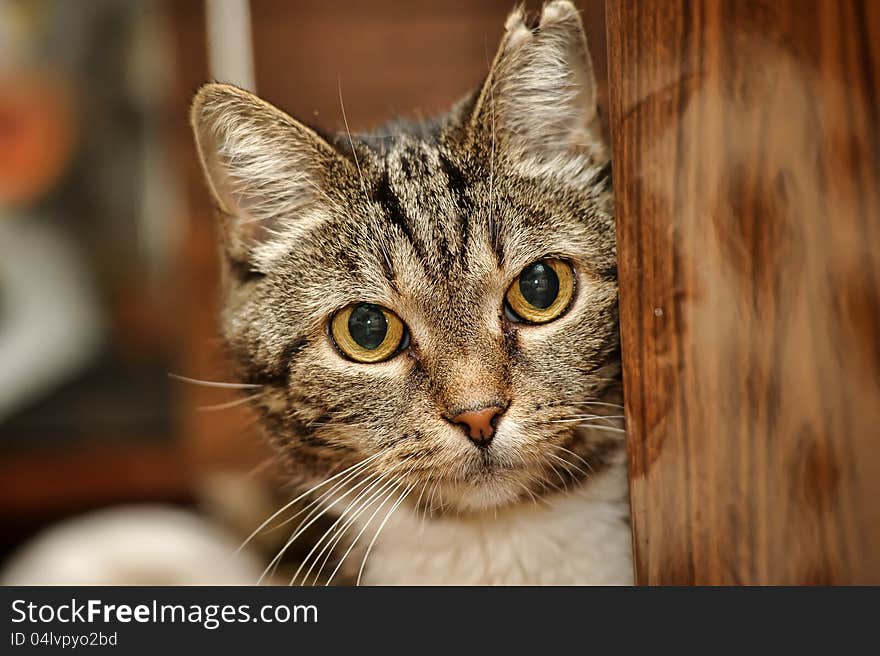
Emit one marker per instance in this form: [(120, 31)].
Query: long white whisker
[(582, 423), (314, 505), (431, 499), (228, 404), (211, 383), (385, 500), (610, 405), (379, 530), (556, 471), (425, 508), (388, 495), (342, 519), (351, 141), (610, 429), (317, 511), (586, 463), (491, 155), (531, 494), (583, 417), (567, 464), (338, 537), (304, 495), (374, 479)]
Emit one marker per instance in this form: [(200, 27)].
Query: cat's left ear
[(539, 99)]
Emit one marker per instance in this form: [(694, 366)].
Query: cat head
[(439, 302)]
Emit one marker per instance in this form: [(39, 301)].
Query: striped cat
[(430, 316)]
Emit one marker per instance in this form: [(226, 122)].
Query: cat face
[(439, 302)]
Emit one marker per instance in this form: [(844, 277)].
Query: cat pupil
[(367, 326), (539, 285)]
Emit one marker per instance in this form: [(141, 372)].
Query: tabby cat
[(430, 317)]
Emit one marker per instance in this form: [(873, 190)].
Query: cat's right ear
[(539, 99), (265, 169)]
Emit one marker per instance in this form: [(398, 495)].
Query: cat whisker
[(337, 538), (339, 534), (561, 478), (314, 505), (602, 403), (351, 141), (568, 464), (591, 415), (444, 505), (268, 463), (535, 498), (424, 510), (358, 465), (581, 421), (400, 481), (588, 416), (212, 383), (544, 483), (228, 404), (491, 155), (610, 429), (379, 530), (431, 498), (569, 451), (316, 513), (340, 520), (373, 480)]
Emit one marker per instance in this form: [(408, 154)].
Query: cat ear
[(539, 99), (265, 169)]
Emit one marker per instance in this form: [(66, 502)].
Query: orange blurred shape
[(37, 135)]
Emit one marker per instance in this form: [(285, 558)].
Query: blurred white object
[(132, 545), (230, 47), (51, 326)]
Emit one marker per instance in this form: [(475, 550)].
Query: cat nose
[(479, 424)]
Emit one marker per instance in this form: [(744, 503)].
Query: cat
[(430, 318)]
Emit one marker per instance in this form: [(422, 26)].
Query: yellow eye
[(542, 291), (367, 333)]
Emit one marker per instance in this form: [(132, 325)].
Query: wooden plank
[(747, 173)]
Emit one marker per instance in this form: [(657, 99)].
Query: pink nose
[(479, 423)]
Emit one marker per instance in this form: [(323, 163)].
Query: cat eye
[(541, 292), (368, 333)]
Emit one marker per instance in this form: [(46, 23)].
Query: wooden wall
[(747, 173)]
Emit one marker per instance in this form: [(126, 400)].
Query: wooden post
[(746, 142)]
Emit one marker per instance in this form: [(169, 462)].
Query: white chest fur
[(581, 537)]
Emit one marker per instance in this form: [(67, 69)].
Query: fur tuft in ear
[(265, 170), (539, 99)]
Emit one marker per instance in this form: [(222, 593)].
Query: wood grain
[(747, 172)]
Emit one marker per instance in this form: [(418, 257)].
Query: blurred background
[(108, 260), (747, 162)]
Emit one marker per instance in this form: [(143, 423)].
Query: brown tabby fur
[(433, 221)]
